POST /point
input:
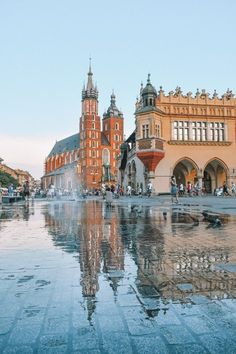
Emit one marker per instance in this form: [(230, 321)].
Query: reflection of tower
[(113, 251)]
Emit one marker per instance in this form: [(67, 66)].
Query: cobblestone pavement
[(143, 276)]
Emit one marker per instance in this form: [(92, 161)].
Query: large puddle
[(79, 277)]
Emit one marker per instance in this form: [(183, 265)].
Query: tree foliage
[(6, 179)]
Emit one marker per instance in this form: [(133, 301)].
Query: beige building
[(189, 136)]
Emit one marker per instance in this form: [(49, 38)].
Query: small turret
[(149, 94), (112, 110)]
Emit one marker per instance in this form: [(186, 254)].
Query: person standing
[(174, 190), (149, 189), (129, 191), (26, 191)]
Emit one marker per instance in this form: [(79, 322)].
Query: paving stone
[(53, 344), (200, 324), (111, 324), (188, 349), (18, 350), (149, 345), (115, 343), (56, 324), (85, 338), (6, 324), (177, 335), (218, 345), (24, 334)]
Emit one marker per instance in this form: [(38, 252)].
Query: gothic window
[(105, 157), (93, 135), (93, 153), (93, 125), (93, 143), (117, 137), (117, 126), (145, 130)]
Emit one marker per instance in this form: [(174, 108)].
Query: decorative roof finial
[(148, 79), (90, 70)]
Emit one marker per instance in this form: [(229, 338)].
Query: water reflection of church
[(82, 229), (171, 265)]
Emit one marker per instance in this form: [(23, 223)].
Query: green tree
[(6, 179)]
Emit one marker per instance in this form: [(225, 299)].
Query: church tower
[(90, 136), (113, 129)]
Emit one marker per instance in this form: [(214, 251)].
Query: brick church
[(89, 158)]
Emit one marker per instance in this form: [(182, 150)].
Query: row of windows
[(200, 131), (198, 124), (116, 126)]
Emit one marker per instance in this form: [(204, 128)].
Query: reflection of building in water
[(185, 265), (82, 228)]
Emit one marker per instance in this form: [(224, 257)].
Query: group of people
[(197, 190)]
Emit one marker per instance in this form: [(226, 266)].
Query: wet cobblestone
[(78, 277)]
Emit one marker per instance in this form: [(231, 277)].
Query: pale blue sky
[(44, 51)]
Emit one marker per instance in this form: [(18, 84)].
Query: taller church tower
[(90, 136)]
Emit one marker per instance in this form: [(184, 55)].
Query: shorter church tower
[(113, 129)]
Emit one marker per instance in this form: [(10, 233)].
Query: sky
[(45, 47)]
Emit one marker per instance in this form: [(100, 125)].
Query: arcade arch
[(186, 170), (215, 173)]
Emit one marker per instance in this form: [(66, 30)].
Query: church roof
[(68, 144), (62, 170), (104, 140)]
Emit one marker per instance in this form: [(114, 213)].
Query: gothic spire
[(91, 90)]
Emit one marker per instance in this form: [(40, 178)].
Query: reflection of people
[(108, 196), (174, 190)]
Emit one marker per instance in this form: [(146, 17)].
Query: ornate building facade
[(90, 157), (191, 137)]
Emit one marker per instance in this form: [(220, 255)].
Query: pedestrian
[(149, 189), (26, 191), (140, 192), (10, 190), (233, 189), (225, 189), (129, 191), (0, 193), (189, 189), (181, 189), (174, 190)]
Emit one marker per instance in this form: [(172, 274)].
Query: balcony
[(150, 151)]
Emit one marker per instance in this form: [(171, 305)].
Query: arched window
[(105, 157), (93, 125), (117, 126)]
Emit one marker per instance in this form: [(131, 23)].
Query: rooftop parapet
[(200, 97)]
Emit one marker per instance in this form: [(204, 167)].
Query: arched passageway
[(214, 175), (185, 171)]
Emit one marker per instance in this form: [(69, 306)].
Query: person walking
[(174, 190)]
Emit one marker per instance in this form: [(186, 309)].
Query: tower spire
[(91, 90)]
